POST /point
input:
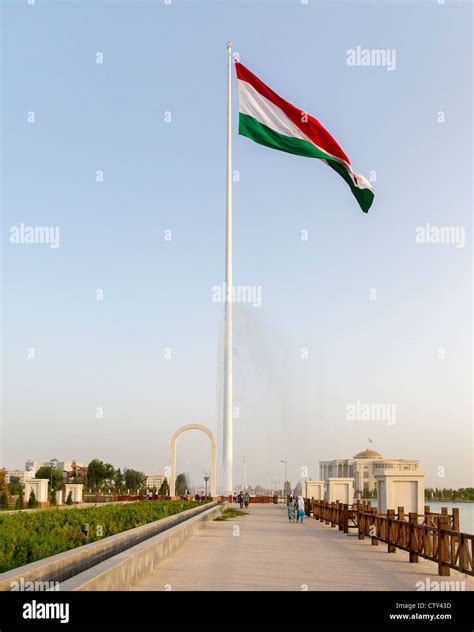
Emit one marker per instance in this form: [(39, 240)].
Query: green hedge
[(30, 536)]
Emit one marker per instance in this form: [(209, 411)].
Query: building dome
[(368, 454)]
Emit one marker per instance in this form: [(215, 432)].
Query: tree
[(367, 494), (20, 501), (97, 473), (15, 486), (4, 501), (3, 482), (69, 498), (181, 485), (32, 502), (119, 480), (46, 471), (110, 473), (164, 488), (134, 479), (287, 488)]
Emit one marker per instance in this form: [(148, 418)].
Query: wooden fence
[(433, 536)]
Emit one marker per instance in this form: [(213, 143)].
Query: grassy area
[(27, 537), (230, 513)]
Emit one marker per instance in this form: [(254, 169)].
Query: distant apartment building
[(31, 467), (363, 467), (69, 469), (20, 474), (154, 480)]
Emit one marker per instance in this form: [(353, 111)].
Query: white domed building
[(363, 467)]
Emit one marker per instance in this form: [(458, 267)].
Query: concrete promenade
[(262, 551)]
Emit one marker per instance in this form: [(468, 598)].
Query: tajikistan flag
[(269, 120)]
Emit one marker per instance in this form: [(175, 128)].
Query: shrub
[(20, 501), (32, 502), (27, 537)]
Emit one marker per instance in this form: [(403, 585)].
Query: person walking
[(300, 509), (246, 500), (291, 504), (241, 500)]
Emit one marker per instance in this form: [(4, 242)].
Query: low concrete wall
[(62, 566), (124, 570)]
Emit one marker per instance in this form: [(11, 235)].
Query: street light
[(206, 478), (286, 473), (51, 477)]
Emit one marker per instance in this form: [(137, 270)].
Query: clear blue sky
[(171, 176)]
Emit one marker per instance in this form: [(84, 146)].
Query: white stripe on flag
[(259, 107)]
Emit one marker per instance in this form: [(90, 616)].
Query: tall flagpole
[(227, 434)]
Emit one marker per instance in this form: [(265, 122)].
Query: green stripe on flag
[(260, 133), (365, 197)]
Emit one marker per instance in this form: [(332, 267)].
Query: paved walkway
[(269, 553)]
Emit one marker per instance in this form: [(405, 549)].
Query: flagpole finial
[(229, 44)]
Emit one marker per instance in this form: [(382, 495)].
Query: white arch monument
[(213, 456)]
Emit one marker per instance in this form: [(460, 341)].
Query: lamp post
[(206, 478), (51, 476), (286, 473)]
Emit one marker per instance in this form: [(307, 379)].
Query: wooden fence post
[(456, 519), (454, 540), (400, 528), (390, 517), (360, 524), (443, 523), (373, 525), (413, 520), (345, 518), (463, 553)]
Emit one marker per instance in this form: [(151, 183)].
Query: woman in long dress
[(300, 509), (291, 509)]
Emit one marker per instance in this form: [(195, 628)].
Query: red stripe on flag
[(309, 125)]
